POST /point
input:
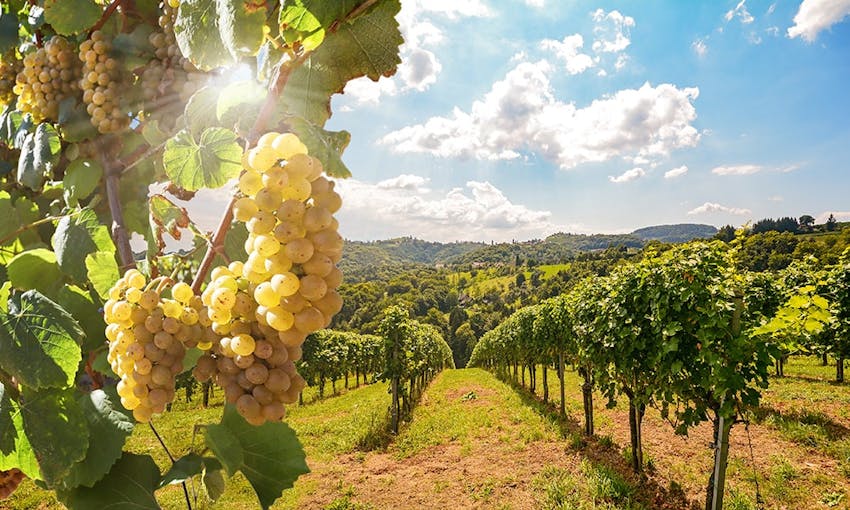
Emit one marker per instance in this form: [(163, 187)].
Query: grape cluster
[(265, 307), (101, 82), (169, 80), (50, 74), (9, 481), (9, 69), (148, 337)]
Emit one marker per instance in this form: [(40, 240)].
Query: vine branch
[(119, 229), (171, 457), (105, 17)]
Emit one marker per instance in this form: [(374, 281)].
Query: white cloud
[(611, 31), (699, 47), (839, 216), (406, 182), (419, 66), (817, 15), (521, 113), (479, 211), (676, 172), (771, 8), (568, 51), (713, 207), (628, 175), (776, 198), (737, 169), (535, 3), (741, 12)]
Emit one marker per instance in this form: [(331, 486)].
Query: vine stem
[(105, 17), (119, 229), (171, 457), (29, 226)]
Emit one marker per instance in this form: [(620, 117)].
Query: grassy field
[(477, 442), (486, 279)]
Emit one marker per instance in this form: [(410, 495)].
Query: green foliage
[(70, 197)]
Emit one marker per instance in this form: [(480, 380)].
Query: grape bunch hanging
[(254, 315)]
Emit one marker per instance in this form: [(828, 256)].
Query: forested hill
[(680, 233)]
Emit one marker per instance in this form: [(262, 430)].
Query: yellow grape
[(287, 145)]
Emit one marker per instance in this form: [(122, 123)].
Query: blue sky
[(514, 119)]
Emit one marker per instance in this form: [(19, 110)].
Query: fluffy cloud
[(676, 172), (419, 66), (740, 11), (839, 216), (611, 31), (535, 3), (521, 112), (568, 52), (713, 207), (737, 169), (817, 15), (405, 206), (628, 175)]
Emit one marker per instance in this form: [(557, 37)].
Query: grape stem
[(171, 457), (119, 230)]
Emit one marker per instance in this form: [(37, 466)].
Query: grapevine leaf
[(153, 134), (214, 483), (102, 271), (28, 174), (200, 111), (209, 163), (133, 49), (5, 290), (39, 152), (69, 18), (8, 31), (269, 456), (188, 466), (35, 269), (81, 178), (74, 121), (239, 103), (365, 46), (129, 485), (39, 342), (111, 424), (75, 238), (55, 427), (10, 122), (166, 217), (15, 448), (311, 18), (197, 33), (80, 305), (240, 26), (234, 241), (328, 146)]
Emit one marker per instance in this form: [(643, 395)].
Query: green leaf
[(197, 33), (15, 448), (10, 122), (74, 121), (111, 425), (8, 31), (234, 241), (182, 469), (5, 290), (210, 163), (200, 111), (153, 134), (35, 269), (214, 483), (75, 238), (81, 178), (79, 304), (239, 103), (56, 429), (102, 271), (166, 217), (133, 49), (269, 456), (69, 18), (129, 485), (328, 146), (28, 174), (365, 46), (240, 25), (38, 342)]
